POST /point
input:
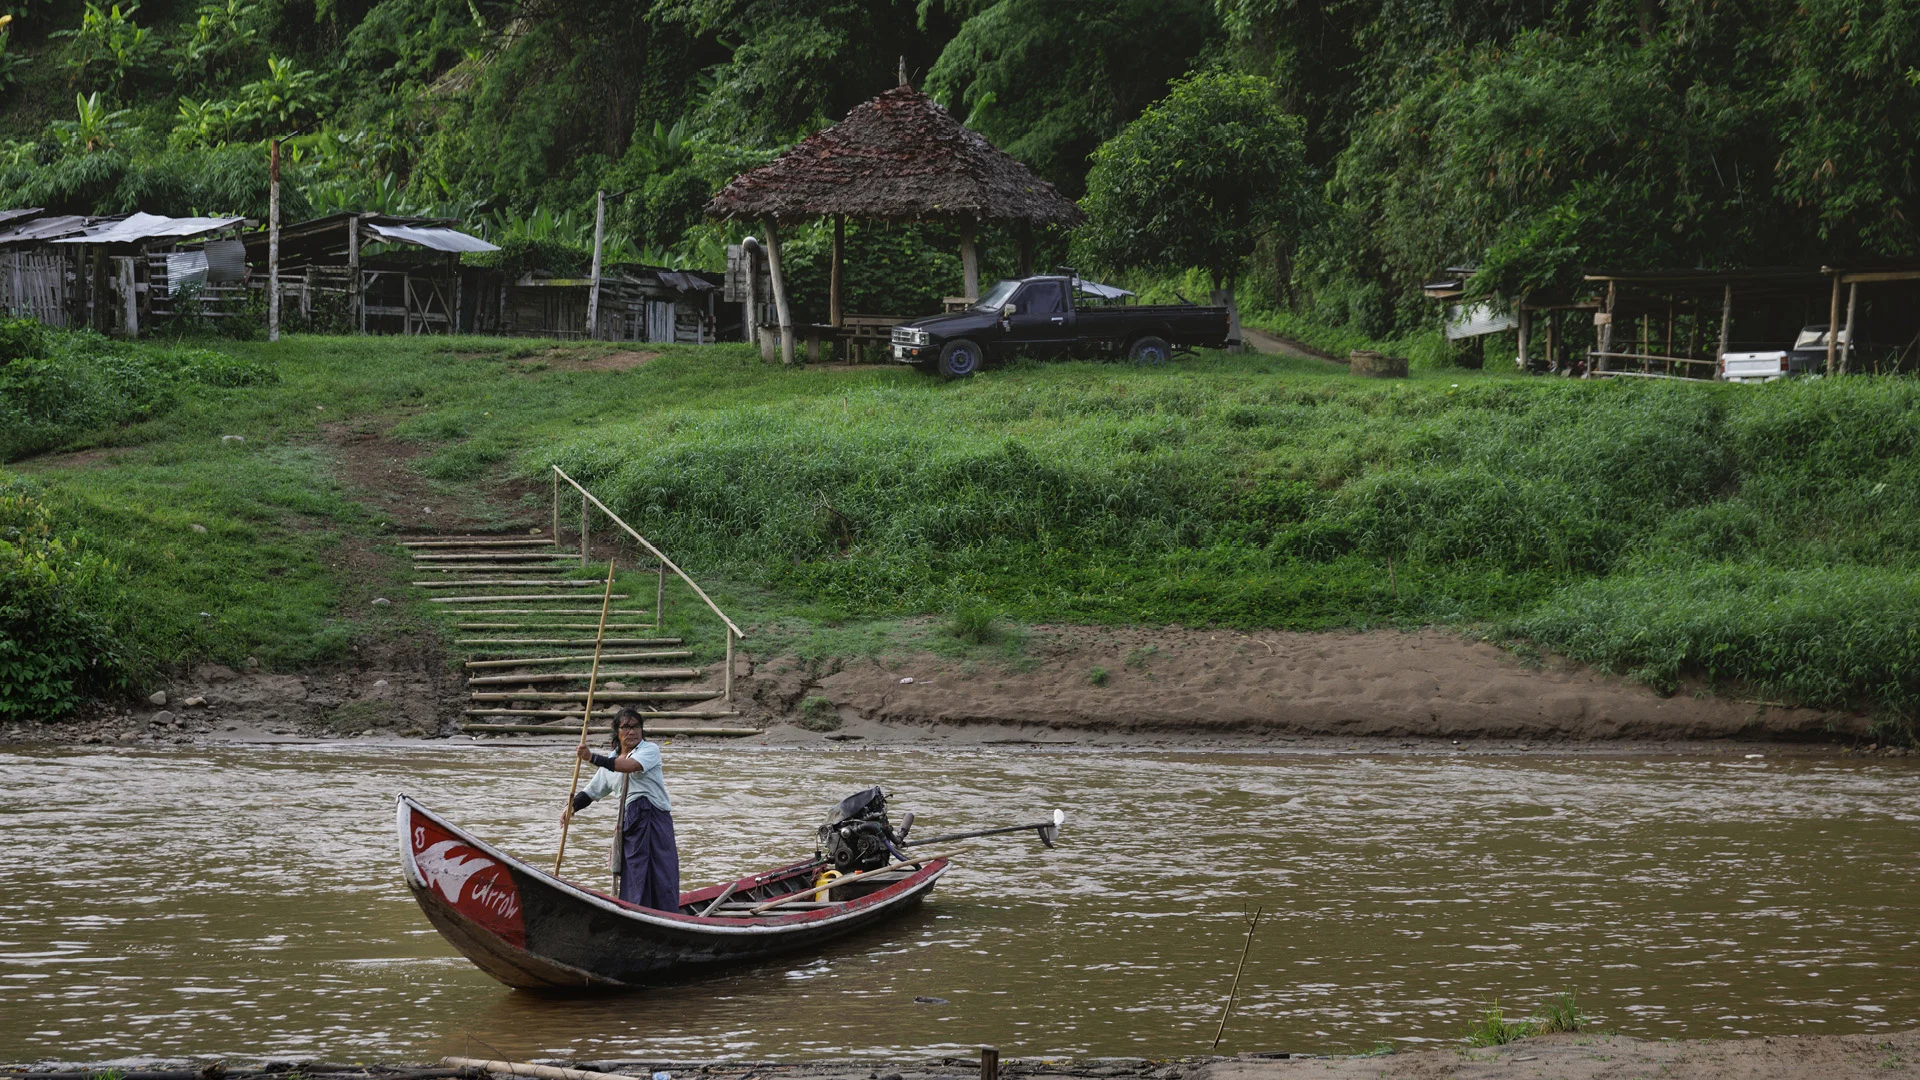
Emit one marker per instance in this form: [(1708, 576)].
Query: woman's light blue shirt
[(648, 783)]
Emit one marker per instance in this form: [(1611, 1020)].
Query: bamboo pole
[(660, 599), (670, 654), (585, 718), (573, 676), (1235, 988), (273, 240), (556, 506), (593, 291), (779, 281)]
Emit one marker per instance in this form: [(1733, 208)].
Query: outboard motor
[(857, 835)]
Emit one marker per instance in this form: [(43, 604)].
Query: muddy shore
[(1068, 685), (1548, 1057)]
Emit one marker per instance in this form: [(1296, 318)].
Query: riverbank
[(1558, 1057), (1750, 543)]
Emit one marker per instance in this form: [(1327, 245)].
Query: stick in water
[(1235, 988), (586, 715)]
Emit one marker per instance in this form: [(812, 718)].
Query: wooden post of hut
[(780, 309), (273, 241), (593, 290), (834, 313), (356, 296), (1833, 323), (969, 259)]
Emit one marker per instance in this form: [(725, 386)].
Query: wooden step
[(664, 732), (517, 556), (550, 626), (670, 654), (599, 695), (588, 642), (509, 568), (557, 715), (582, 676), (532, 583), (475, 541), (516, 598), (595, 612)]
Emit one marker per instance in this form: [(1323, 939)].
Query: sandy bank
[(1093, 683), (1549, 1057)]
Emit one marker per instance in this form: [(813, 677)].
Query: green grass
[(1494, 1029), (1763, 538)]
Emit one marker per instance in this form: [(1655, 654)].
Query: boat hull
[(535, 931)]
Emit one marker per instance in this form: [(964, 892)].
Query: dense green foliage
[(1197, 181), (56, 385), (1527, 139), (59, 640)]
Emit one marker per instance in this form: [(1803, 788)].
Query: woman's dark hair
[(620, 718)]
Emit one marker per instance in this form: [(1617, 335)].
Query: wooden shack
[(372, 273), (637, 303), (118, 274)]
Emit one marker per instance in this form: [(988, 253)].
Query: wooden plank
[(576, 676), (549, 626), (535, 583), (471, 541), (604, 695), (543, 611), (669, 654), (579, 642), (540, 729), (513, 598)]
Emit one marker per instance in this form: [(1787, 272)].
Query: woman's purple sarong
[(650, 861)]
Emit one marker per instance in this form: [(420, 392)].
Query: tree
[(1197, 181)]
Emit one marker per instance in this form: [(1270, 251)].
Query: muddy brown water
[(247, 901)]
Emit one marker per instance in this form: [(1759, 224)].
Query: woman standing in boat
[(650, 862)]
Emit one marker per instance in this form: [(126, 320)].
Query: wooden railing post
[(660, 599), (727, 693), (556, 507), (583, 530)]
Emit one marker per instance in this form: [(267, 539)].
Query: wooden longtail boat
[(534, 931)]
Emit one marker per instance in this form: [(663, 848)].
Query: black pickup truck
[(1050, 316)]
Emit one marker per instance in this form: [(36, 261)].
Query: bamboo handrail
[(654, 551)]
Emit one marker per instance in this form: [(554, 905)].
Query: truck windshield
[(997, 296)]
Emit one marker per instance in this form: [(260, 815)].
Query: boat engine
[(857, 835)]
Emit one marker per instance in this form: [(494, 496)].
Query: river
[(247, 902)]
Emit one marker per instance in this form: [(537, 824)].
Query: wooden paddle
[(586, 716), (812, 890)]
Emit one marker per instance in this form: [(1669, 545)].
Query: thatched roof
[(899, 157)]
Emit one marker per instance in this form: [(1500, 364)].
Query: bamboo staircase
[(526, 632)]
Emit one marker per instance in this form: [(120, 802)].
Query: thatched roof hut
[(899, 157)]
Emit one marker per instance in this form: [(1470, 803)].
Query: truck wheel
[(1150, 351), (959, 359)]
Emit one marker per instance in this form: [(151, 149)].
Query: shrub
[(1097, 676), (974, 624), (57, 640)]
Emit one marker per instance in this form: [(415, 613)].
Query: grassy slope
[(1761, 535)]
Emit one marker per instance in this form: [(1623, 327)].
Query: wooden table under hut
[(899, 157)]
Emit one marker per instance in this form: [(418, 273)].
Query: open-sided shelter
[(898, 157), (385, 274)]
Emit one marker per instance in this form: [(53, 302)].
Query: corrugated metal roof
[(136, 228), (40, 230), (23, 212), (432, 237)]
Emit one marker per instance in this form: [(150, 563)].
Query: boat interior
[(805, 885)]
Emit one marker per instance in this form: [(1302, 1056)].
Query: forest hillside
[(1526, 138)]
